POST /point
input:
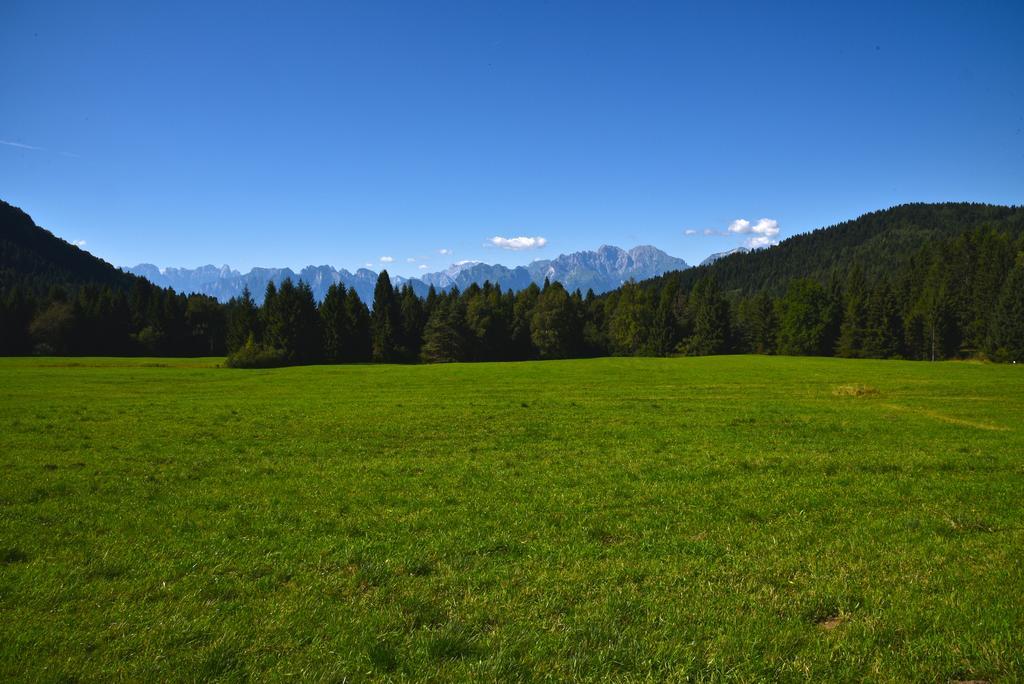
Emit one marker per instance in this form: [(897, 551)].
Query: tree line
[(959, 297), (962, 296)]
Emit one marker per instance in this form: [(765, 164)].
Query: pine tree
[(935, 307), (710, 320), (553, 324), (1006, 335), (243, 319), (664, 330), (486, 323), (883, 337), (803, 319), (386, 325), (444, 339), (16, 311), (413, 318), (361, 348), (522, 312), (270, 318), (759, 324), (336, 324), (855, 316), (629, 321), (308, 337)]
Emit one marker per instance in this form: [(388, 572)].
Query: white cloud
[(710, 231), (79, 243), (411, 260), (762, 233), (690, 231), (368, 265), (519, 243), (465, 261), (386, 259), (445, 251), (21, 145), (766, 227), (423, 267)]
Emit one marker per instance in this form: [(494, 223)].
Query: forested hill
[(35, 260), (56, 298), (916, 281), (920, 281), (881, 244)]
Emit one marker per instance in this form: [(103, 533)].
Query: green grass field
[(730, 518)]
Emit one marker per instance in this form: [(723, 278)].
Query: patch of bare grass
[(856, 390)]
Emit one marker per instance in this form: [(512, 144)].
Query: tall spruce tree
[(413, 319), (553, 324), (759, 325), (522, 311), (883, 335), (386, 323), (710, 319), (360, 350), (444, 337), (630, 319), (336, 324), (1006, 334), (804, 316), (243, 321)]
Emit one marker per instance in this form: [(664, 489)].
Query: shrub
[(254, 355)]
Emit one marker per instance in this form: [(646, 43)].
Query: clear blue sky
[(286, 134)]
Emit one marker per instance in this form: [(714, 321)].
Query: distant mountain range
[(601, 270)]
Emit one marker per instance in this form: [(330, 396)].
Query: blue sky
[(287, 134)]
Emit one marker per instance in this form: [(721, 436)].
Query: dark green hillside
[(58, 299), (881, 243), (36, 260), (919, 281)]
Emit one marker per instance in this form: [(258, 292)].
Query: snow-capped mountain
[(718, 255), (601, 270)]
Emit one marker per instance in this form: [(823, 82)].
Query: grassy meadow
[(721, 518)]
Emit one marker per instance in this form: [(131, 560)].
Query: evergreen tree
[(664, 330), (804, 316), (592, 314), (16, 312), (854, 325), (271, 322), (293, 322), (884, 328), (759, 326), (486, 323), (243, 321), (386, 325), (207, 325), (629, 322), (553, 324), (444, 339), (935, 308), (413, 318), (336, 324), (1006, 335), (522, 312), (360, 350), (710, 320), (308, 337)]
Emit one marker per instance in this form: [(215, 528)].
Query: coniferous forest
[(924, 282)]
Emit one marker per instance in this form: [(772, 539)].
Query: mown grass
[(731, 518)]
